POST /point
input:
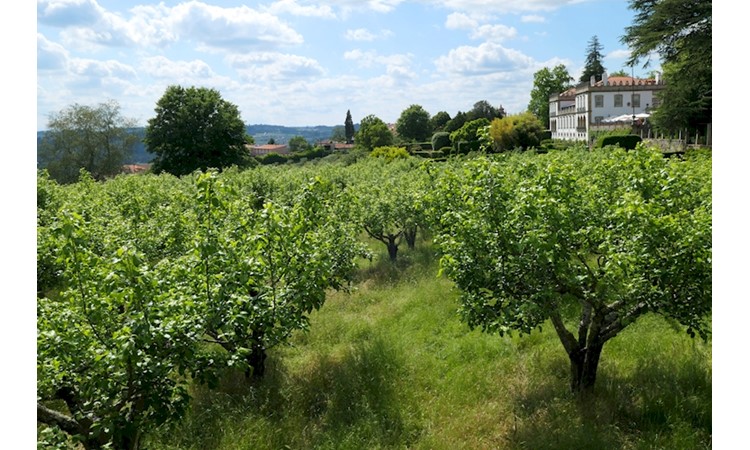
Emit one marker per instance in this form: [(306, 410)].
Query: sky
[(306, 62)]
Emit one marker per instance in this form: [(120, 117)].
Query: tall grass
[(390, 365)]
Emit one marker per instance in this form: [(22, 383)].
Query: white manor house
[(600, 105)]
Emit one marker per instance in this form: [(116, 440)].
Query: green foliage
[(413, 125), (149, 268), (387, 361), (349, 128), (390, 153), (298, 144), (441, 139), (95, 138), (112, 346), (272, 158), (681, 34), (628, 142), (593, 65), (194, 128), (609, 234), (373, 132), (484, 110), (338, 134), (518, 131), (547, 82), (439, 121), (456, 122), (467, 137)]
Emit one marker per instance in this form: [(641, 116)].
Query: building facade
[(576, 113)]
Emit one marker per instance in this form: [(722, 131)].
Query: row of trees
[(146, 282)]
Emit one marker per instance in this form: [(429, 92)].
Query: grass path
[(390, 365)]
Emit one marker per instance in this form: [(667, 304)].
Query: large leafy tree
[(95, 138), (483, 109), (593, 65), (194, 128), (373, 132), (349, 127), (546, 83), (590, 241), (413, 125), (680, 33), (439, 120)]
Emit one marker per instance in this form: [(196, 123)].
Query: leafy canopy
[(373, 132), (195, 129), (546, 83), (413, 125), (95, 138), (605, 235), (680, 32)]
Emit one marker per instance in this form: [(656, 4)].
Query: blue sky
[(306, 62)]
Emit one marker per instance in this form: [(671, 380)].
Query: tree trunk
[(257, 362), (392, 249), (410, 234), (583, 366)]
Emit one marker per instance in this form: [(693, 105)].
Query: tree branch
[(615, 326), (57, 419), (566, 337)]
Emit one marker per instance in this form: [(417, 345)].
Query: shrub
[(389, 153), (628, 142), (441, 139), (273, 158)]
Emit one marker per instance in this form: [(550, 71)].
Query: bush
[(441, 139), (273, 158), (389, 153), (627, 142)]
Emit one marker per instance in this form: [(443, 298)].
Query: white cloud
[(460, 21), (372, 58), (494, 32), (619, 54), (68, 12), (486, 58), (533, 18), (93, 69), (360, 34), (240, 28), (50, 55), (293, 8), (507, 6), (87, 26), (363, 34), (275, 66), (164, 68)]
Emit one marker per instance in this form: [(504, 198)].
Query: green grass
[(390, 365)]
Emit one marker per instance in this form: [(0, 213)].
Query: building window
[(598, 101), (636, 100), (618, 100), (598, 119)]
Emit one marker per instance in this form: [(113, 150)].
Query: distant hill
[(281, 135), (262, 133)]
